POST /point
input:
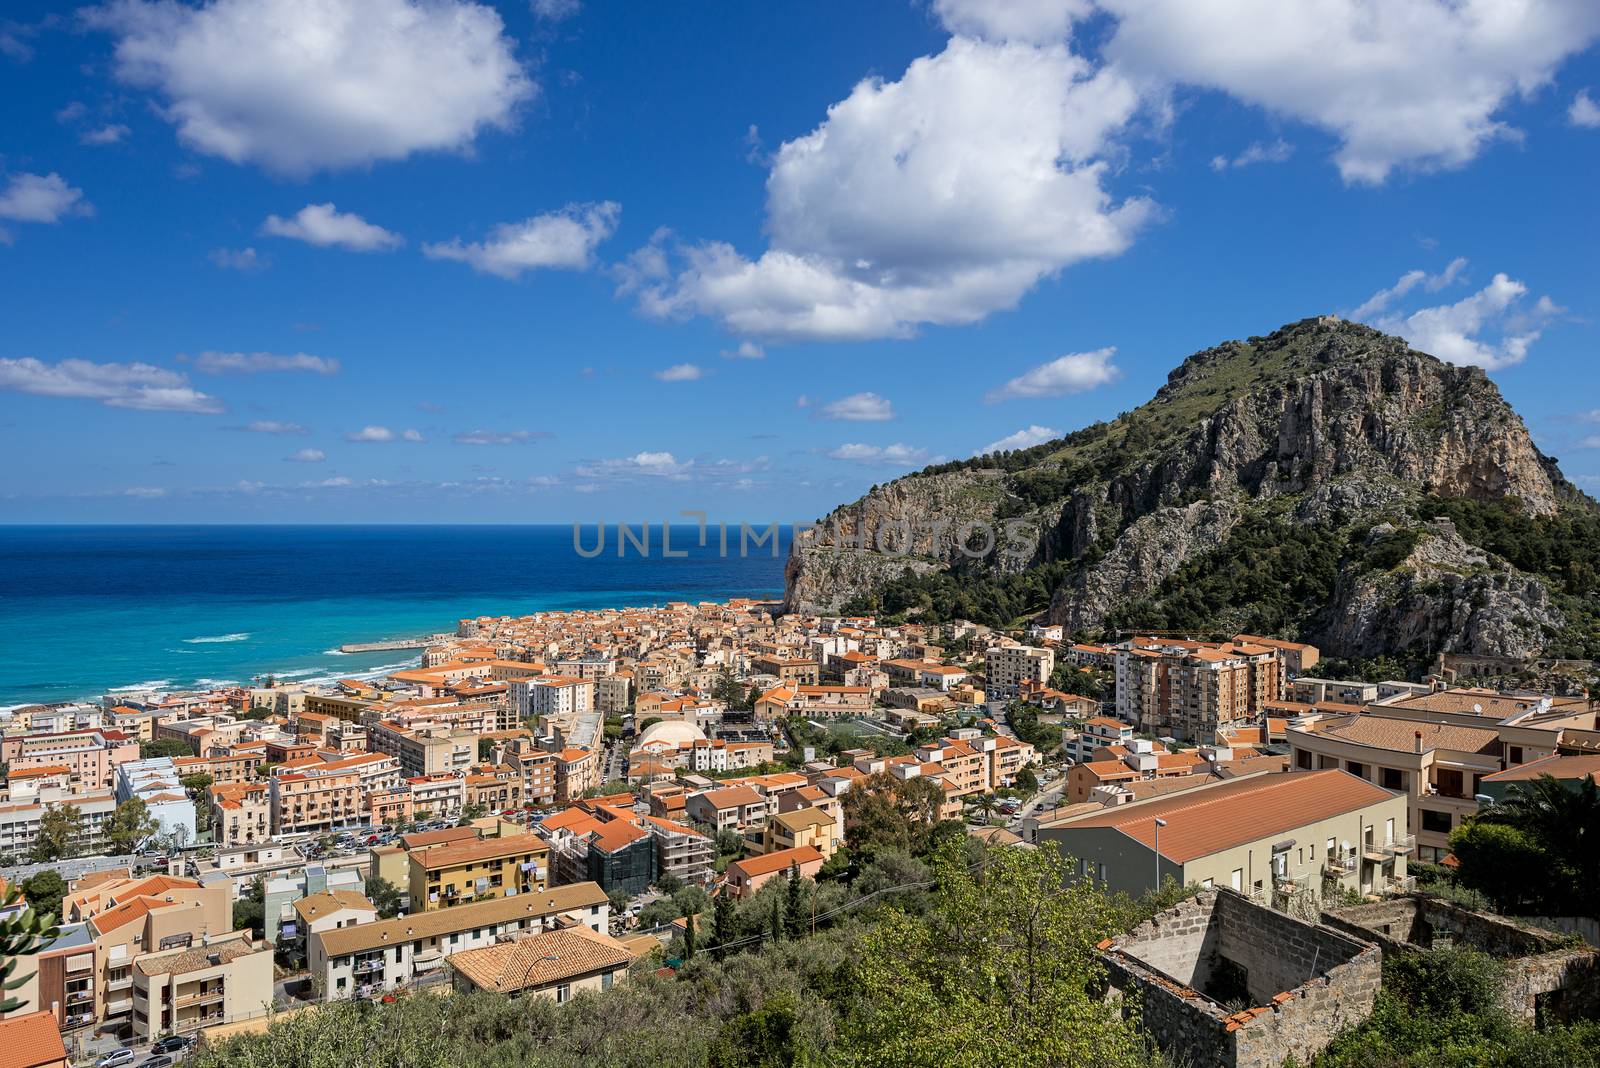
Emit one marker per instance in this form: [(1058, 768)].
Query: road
[(1048, 797)]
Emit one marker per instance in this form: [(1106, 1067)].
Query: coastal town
[(548, 804)]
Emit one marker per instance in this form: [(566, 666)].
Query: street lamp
[(1160, 823)]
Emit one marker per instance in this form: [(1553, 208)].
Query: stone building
[(1224, 983)]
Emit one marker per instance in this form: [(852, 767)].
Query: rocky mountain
[(1324, 482)]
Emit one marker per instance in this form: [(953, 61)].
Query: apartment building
[(1437, 767), (1008, 667), (1194, 690), (614, 694), (558, 696), (315, 802), (577, 772), (1274, 837), (20, 821), (798, 827), (1097, 733), (439, 796), (91, 757), (215, 981), (737, 808), (425, 750), (537, 770), (325, 910), (370, 957), (242, 763), (457, 873)]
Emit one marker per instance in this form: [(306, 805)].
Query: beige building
[(1008, 667), (1276, 838), (220, 980), (557, 963), (457, 873)]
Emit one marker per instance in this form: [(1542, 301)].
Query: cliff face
[(1325, 423)]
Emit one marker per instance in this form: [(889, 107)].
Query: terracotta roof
[(801, 818), (420, 925), (1400, 735), (1580, 766), (539, 960), (778, 860), (618, 834), (31, 1040), (1239, 811), (731, 797), (198, 957), (446, 856), (328, 901)]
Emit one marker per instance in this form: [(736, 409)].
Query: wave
[(297, 674), (139, 687), (369, 673), (240, 636), (334, 652), (212, 684)]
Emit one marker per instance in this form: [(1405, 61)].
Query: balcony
[(1377, 854), (1401, 846), (1341, 865), (79, 997), (364, 967), (199, 997)]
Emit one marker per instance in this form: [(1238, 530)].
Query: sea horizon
[(93, 609)]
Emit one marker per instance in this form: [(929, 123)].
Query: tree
[(164, 747), (688, 936), (1005, 962), (384, 895), (1027, 781), (485, 748), (729, 843), (22, 934), (472, 812), (794, 908), (130, 824), (668, 883), (722, 925), (250, 911), (618, 899), (197, 787), (1564, 821), (60, 830), (883, 812), (44, 892)]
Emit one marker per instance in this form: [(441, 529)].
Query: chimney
[(1419, 741)]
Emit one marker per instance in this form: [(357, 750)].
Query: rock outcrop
[(1327, 422)]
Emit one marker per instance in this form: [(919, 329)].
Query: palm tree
[(1565, 820)]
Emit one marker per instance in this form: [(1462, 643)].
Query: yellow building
[(459, 872), (802, 827)]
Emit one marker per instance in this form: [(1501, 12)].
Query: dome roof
[(672, 732)]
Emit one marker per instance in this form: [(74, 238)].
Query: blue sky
[(436, 260)]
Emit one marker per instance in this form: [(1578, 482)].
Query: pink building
[(90, 756)]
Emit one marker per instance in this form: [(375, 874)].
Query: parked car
[(158, 1062), (114, 1058), (170, 1044)]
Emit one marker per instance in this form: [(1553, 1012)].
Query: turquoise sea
[(86, 611)]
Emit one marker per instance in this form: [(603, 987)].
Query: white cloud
[(307, 456), (556, 10), (1278, 151), (382, 434), (1022, 439), (1455, 332), (217, 363), (1076, 372), (747, 350), (858, 408), (298, 86), (41, 198), (324, 225), (1415, 83), (1584, 111), (896, 455), (496, 437), (938, 198), (679, 372), (1409, 281), (109, 134), (1037, 21), (565, 238), (239, 259), (141, 386), (274, 426), (645, 464)]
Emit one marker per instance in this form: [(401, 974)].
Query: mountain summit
[(1325, 482)]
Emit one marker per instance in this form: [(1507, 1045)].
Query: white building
[(1009, 666), (560, 696), (156, 781)]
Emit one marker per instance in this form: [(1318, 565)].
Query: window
[(1302, 759), (1330, 848), (1238, 878), (1356, 769), (1205, 884), (1392, 779), (1435, 822), (605, 981), (563, 993)]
